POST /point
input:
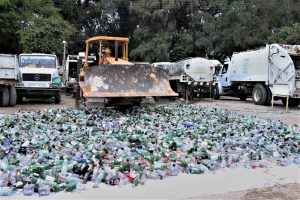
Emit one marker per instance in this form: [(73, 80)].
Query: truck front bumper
[(37, 92)]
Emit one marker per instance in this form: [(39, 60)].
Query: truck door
[(224, 76)]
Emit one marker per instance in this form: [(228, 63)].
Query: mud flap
[(109, 81)]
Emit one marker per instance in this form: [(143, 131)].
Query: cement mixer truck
[(192, 77), (269, 73)]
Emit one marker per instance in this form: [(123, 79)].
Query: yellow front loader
[(113, 80)]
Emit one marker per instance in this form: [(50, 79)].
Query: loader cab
[(98, 45)]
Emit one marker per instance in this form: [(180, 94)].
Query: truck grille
[(36, 77)]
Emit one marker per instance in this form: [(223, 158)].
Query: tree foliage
[(159, 30), (10, 24), (286, 35), (43, 27)]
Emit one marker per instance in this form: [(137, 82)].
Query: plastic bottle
[(143, 179), (73, 179), (28, 189), (174, 169), (6, 191), (64, 167), (195, 170), (44, 190), (95, 173), (136, 180), (123, 182)]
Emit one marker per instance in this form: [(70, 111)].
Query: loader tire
[(12, 95), (4, 97), (292, 102), (259, 95)]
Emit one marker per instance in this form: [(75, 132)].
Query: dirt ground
[(279, 191), (278, 112)]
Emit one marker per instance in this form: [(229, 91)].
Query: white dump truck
[(271, 72), (192, 77), (39, 77), (9, 74), (71, 73)]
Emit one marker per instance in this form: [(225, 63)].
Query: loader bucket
[(125, 81)]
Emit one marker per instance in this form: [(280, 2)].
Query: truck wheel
[(269, 97), (189, 94), (12, 95), (243, 96), (57, 97), (216, 93), (4, 97), (259, 95), (292, 102)]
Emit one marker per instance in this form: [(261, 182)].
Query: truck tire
[(216, 93), (269, 97), (293, 102), (57, 97), (4, 97), (243, 96), (259, 95), (12, 95), (189, 94)]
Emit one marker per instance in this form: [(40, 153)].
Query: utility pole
[(64, 59), (64, 65)]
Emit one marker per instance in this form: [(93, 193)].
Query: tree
[(286, 35), (43, 27), (248, 24), (10, 24), (174, 29), (158, 29), (95, 17)]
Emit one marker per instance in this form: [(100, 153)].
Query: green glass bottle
[(70, 187)]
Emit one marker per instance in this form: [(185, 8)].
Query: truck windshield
[(37, 61), (225, 68)]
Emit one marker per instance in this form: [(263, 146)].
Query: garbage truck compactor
[(271, 72), (113, 80)]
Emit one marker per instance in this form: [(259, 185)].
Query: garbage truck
[(270, 73), (9, 75), (114, 81), (39, 77), (192, 77)]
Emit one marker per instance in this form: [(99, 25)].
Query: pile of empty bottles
[(63, 149)]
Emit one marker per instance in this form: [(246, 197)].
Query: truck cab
[(39, 77), (71, 71)]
